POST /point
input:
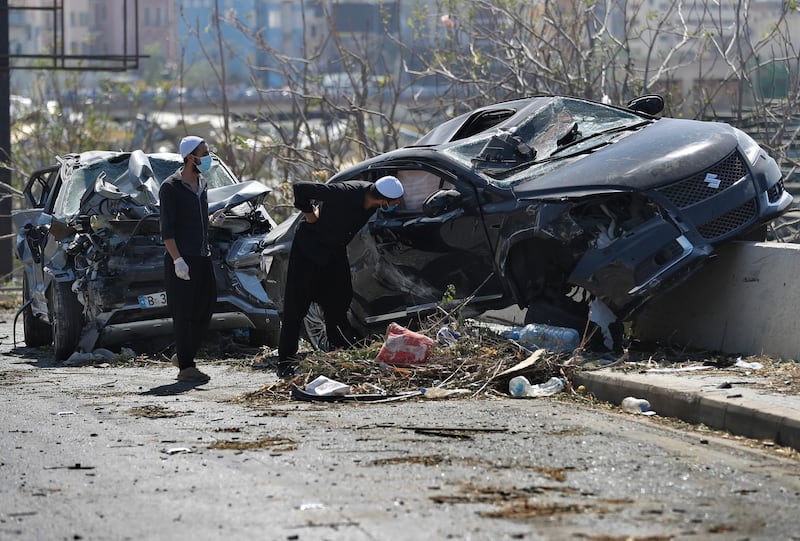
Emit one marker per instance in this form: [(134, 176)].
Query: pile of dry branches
[(477, 364)]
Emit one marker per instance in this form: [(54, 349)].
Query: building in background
[(291, 33), (151, 31), (86, 35), (287, 30), (197, 33), (261, 39)]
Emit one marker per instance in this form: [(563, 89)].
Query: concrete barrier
[(744, 301)]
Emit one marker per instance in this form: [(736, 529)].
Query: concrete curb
[(742, 412)]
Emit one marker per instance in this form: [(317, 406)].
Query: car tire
[(316, 332), (37, 331), (66, 320)]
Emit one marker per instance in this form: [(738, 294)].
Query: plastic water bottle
[(520, 387), (631, 404), (549, 337)]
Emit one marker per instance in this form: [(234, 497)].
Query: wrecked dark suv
[(572, 209), (93, 258)]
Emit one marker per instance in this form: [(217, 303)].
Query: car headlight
[(748, 146), (245, 252)]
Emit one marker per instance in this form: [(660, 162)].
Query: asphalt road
[(125, 452)]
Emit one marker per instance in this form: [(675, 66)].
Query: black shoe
[(287, 369)]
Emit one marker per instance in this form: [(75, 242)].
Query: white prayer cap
[(189, 143), (389, 187)]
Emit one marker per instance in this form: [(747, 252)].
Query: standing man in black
[(188, 272), (318, 266)]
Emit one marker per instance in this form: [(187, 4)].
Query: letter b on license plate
[(153, 300)]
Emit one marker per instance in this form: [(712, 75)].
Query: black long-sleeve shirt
[(341, 215), (184, 216)]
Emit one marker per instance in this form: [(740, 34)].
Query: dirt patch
[(556, 474), (470, 493), (627, 538), (527, 510), (157, 412), (275, 444), (429, 460), (514, 503), (11, 377)]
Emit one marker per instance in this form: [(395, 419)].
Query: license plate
[(153, 300)]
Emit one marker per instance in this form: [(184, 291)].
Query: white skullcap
[(389, 187), (189, 143)]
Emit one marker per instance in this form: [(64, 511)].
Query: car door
[(33, 226), (404, 263)]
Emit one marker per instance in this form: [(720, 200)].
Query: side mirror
[(440, 202), (651, 104)]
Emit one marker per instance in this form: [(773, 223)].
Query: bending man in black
[(318, 267), (188, 271)]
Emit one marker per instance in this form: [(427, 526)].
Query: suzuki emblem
[(712, 180)]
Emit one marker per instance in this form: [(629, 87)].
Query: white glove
[(181, 269), (218, 218)]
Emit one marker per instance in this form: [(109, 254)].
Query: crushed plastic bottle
[(549, 337), (520, 387), (447, 336), (631, 404)]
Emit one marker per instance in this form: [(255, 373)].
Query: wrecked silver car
[(569, 208), (92, 253)]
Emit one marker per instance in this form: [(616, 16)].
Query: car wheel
[(37, 331), (316, 332), (66, 319)]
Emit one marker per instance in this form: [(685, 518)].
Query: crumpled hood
[(661, 153), (230, 196)]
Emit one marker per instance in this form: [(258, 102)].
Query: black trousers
[(327, 284), (191, 303)]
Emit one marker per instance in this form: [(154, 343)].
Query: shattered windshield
[(115, 171), (554, 134)]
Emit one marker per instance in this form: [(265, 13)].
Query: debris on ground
[(631, 404), (404, 347), (468, 359), (152, 411), (520, 387), (323, 386), (299, 394), (438, 392), (478, 363), (275, 444)]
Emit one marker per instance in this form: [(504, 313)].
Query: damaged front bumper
[(694, 216)]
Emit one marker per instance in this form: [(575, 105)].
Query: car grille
[(729, 221), (776, 191), (696, 188)]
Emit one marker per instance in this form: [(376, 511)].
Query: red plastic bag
[(403, 347)]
